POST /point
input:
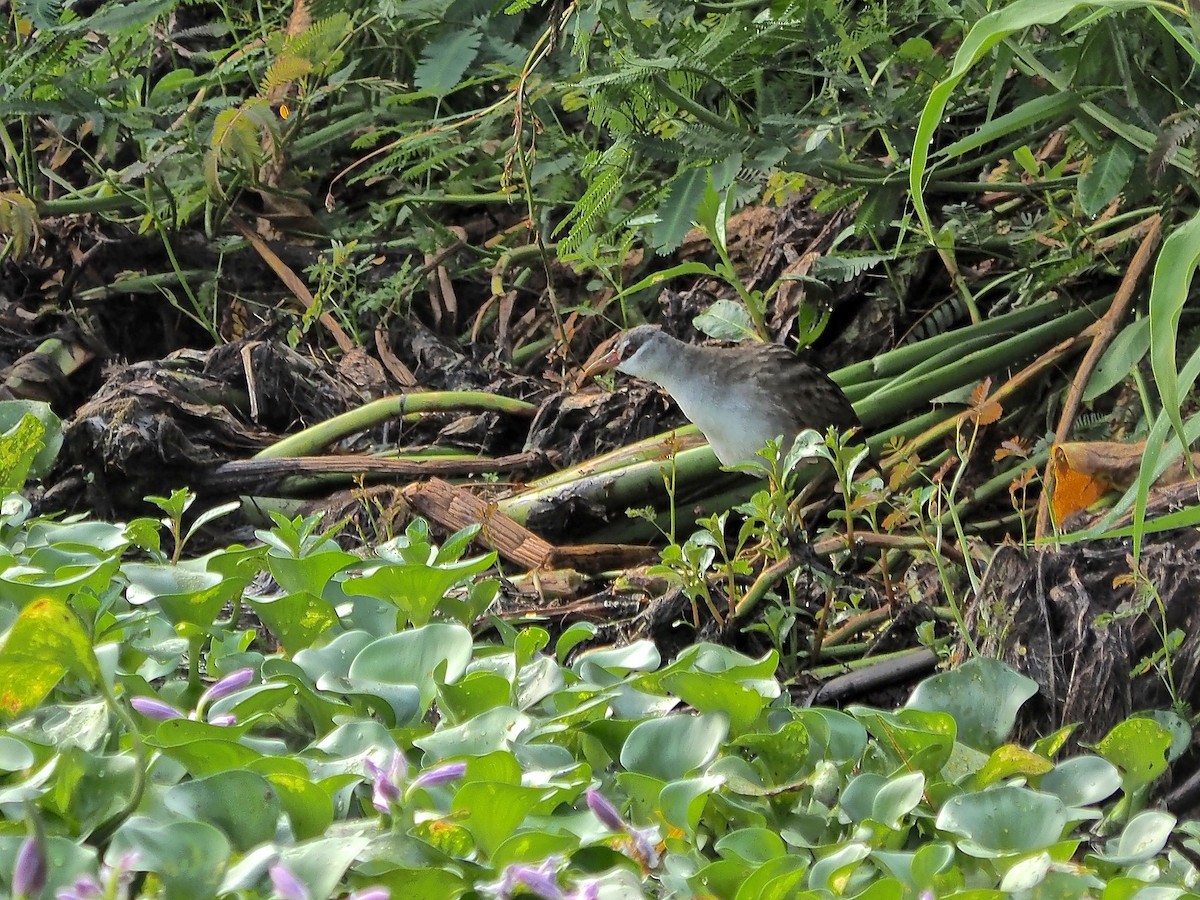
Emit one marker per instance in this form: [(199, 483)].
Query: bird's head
[(635, 352)]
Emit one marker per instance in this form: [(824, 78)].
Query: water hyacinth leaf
[(473, 695), (674, 746), (201, 748), (916, 738), (722, 878), (44, 643), (15, 754), (1010, 760), (189, 858), (320, 864), (310, 573), (186, 592), (30, 438), (492, 811), (839, 736), (1003, 820), (833, 869), (534, 846), (88, 789), (308, 806), (572, 637), (496, 729), (931, 861), (422, 657), (1139, 747), (334, 658), (427, 883), (1081, 780), (778, 878), (752, 846), (682, 802), (611, 664), (58, 574), (1141, 839), (783, 756), (242, 804), (296, 620), (983, 695), (416, 588), (714, 693)]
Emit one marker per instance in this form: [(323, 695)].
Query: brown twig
[(1101, 333)]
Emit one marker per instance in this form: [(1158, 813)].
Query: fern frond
[(607, 175), (1169, 140), (284, 70), (320, 40)]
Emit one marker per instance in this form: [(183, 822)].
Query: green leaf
[(1105, 177), (678, 211), (726, 320), (674, 746), (242, 804), (983, 695), (44, 644), (1003, 820), (983, 36), (189, 857), (1123, 354), (445, 60), (1139, 747)]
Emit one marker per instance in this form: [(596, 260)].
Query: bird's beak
[(605, 363)]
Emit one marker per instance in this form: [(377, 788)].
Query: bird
[(739, 396)]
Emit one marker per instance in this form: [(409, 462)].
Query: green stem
[(310, 440)]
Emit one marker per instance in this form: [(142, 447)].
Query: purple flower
[(385, 785), (85, 887), (443, 774), (230, 684), (542, 880), (371, 893), (605, 811), (644, 844), (30, 869), (586, 890), (286, 884), (155, 709), (223, 720)]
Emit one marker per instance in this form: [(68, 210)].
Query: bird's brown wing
[(804, 394)]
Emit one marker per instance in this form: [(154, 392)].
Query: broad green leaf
[(983, 695), (1139, 747), (674, 746), (189, 857), (44, 644), (726, 320), (1003, 820), (242, 804), (1141, 840), (493, 811), (50, 437), (1106, 177)]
